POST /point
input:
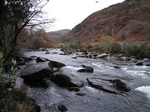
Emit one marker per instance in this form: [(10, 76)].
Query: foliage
[(105, 43), (1, 63), (137, 49), (115, 48), (130, 49), (12, 99), (15, 15), (41, 39), (34, 40), (144, 50), (5, 78)]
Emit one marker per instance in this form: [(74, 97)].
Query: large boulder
[(54, 63), (35, 74), (86, 69), (57, 64), (113, 86), (66, 79)]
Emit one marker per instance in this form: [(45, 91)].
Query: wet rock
[(76, 89), (33, 57), (113, 86), (47, 52), (119, 85), (85, 53), (140, 63), (103, 55), (41, 59), (66, 79), (61, 53), (80, 94), (57, 64), (86, 69), (35, 74), (123, 58), (54, 52), (21, 63), (27, 59), (147, 64), (116, 67), (54, 63), (133, 60), (41, 49), (94, 56), (62, 108), (74, 57), (145, 60)]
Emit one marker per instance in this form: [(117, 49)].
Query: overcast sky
[(69, 13)]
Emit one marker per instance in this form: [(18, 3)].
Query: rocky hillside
[(126, 21), (56, 35)]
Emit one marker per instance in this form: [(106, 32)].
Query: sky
[(69, 13)]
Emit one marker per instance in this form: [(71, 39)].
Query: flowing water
[(136, 77)]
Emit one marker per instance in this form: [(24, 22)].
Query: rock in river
[(86, 69), (41, 59), (54, 63), (113, 86), (66, 79), (57, 64), (36, 73)]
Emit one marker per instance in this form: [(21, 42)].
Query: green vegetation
[(11, 98), (137, 49), (105, 43), (15, 15)]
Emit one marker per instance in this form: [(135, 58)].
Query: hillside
[(126, 21), (56, 35)]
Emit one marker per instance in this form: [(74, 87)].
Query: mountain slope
[(57, 35), (126, 21)]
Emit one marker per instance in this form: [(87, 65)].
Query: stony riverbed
[(88, 98)]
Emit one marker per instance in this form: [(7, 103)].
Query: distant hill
[(126, 21), (57, 35)]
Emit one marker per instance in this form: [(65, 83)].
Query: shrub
[(11, 99), (144, 50), (124, 35), (115, 48), (135, 27), (139, 50), (105, 43), (130, 49)]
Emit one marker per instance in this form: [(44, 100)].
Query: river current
[(94, 100)]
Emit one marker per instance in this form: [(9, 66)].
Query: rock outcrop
[(66, 79), (35, 74), (86, 69), (112, 86)]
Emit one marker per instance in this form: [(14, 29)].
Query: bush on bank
[(139, 50), (11, 98)]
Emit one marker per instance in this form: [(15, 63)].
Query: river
[(94, 100)]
